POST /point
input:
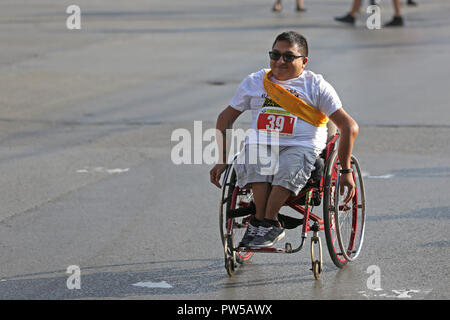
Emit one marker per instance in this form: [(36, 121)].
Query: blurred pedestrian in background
[(277, 6), (397, 20), (408, 2)]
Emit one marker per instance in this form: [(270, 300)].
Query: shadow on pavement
[(179, 277)]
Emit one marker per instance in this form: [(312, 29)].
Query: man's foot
[(250, 233), (411, 3), (276, 7), (300, 8), (347, 19), (267, 235), (396, 22)]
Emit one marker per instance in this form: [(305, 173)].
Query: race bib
[(276, 120)]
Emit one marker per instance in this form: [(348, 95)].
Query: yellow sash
[(294, 105)]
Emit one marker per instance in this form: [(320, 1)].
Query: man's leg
[(275, 201), (270, 230), (261, 192)]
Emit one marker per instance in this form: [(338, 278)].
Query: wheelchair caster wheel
[(316, 269), (229, 266), (288, 247)]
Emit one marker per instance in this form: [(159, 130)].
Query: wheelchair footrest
[(267, 250), (288, 222), (242, 212)]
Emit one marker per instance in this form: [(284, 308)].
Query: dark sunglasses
[(287, 57)]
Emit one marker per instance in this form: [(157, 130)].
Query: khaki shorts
[(286, 166)]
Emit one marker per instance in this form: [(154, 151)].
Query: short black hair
[(293, 37)]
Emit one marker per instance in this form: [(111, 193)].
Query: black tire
[(231, 199), (344, 223), (351, 219), (329, 190)]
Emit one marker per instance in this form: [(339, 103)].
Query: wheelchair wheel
[(232, 229), (350, 225), (344, 223)]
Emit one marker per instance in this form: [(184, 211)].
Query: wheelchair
[(343, 223)]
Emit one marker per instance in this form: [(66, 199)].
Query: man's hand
[(225, 121), (346, 180), (349, 130), (216, 172)]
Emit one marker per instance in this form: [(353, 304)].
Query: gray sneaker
[(250, 233), (267, 236)]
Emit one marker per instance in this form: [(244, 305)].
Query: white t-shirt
[(310, 87)]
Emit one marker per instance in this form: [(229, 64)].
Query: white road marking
[(150, 284), (398, 294), (404, 293), (366, 174), (386, 176), (102, 170)]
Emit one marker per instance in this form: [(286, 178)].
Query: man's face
[(283, 70)]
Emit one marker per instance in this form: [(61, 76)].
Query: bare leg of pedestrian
[(397, 20), (397, 8), (350, 17), (277, 6), (300, 6)]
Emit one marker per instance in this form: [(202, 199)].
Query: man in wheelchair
[(296, 104)]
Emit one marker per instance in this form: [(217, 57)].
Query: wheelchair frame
[(342, 247)]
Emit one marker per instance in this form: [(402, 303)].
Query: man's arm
[(225, 121), (349, 131)]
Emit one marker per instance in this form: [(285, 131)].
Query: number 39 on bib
[(273, 119)]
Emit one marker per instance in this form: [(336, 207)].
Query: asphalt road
[(88, 180)]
